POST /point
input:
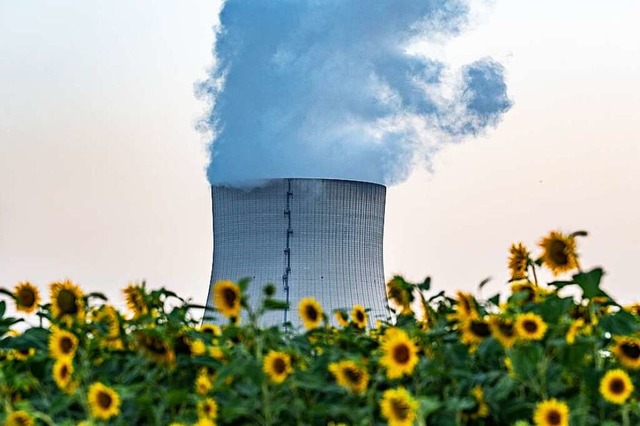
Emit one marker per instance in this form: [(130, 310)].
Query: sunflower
[(67, 301), (226, 298), (277, 366), (524, 286), (310, 312), (616, 386), (198, 348), (518, 261), (342, 317), (156, 348), (134, 295), (574, 329), (474, 331), (465, 307), (207, 409), (559, 252), (104, 402), (530, 326), (634, 309), (399, 353), (204, 422), (212, 329), (398, 407), (350, 376), (19, 418), (108, 316), (551, 413), (203, 383), (481, 409), (27, 297), (359, 316), (627, 350), (399, 294), (23, 354), (62, 343), (503, 330), (62, 371)]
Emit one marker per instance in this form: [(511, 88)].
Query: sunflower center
[(506, 328), (229, 297), (104, 400), (631, 349), (64, 372), (360, 316), (311, 312), (279, 366), (617, 386), (67, 301), (530, 326), (557, 252), (25, 352), (554, 418), (401, 353), (400, 409), (26, 296), (480, 328), (21, 420), (156, 346), (353, 375), (66, 345)]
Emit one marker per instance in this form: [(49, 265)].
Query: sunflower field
[(564, 353)]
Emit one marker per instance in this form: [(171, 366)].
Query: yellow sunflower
[(634, 309), (398, 407), (527, 287), (530, 326), (310, 313), (559, 252), (62, 343), (27, 297), (518, 261), (350, 376), (23, 354), (399, 353), (277, 366), (474, 331), (203, 421), (397, 293), (198, 348), (203, 383), (62, 372), (616, 386), (19, 418), (135, 298), (108, 316), (574, 329), (104, 401), (156, 348), (481, 410), (342, 317), (359, 316), (212, 329), (67, 301), (551, 413), (503, 330), (627, 351), (465, 307), (207, 409), (226, 298)]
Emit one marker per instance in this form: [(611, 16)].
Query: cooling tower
[(317, 238)]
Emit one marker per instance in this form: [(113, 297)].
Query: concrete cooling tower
[(317, 238)]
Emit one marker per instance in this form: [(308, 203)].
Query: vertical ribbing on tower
[(287, 250)]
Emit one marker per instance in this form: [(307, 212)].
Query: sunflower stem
[(533, 270), (625, 415)]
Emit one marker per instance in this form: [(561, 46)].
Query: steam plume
[(326, 88)]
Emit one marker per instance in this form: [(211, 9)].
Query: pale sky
[(102, 173)]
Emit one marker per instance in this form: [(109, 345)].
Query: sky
[(103, 173)]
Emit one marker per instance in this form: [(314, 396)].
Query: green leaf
[(97, 295), (275, 305), (3, 308), (554, 307), (243, 283), (502, 389), (620, 323), (425, 285), (429, 405), (495, 300), (460, 404), (589, 282)]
